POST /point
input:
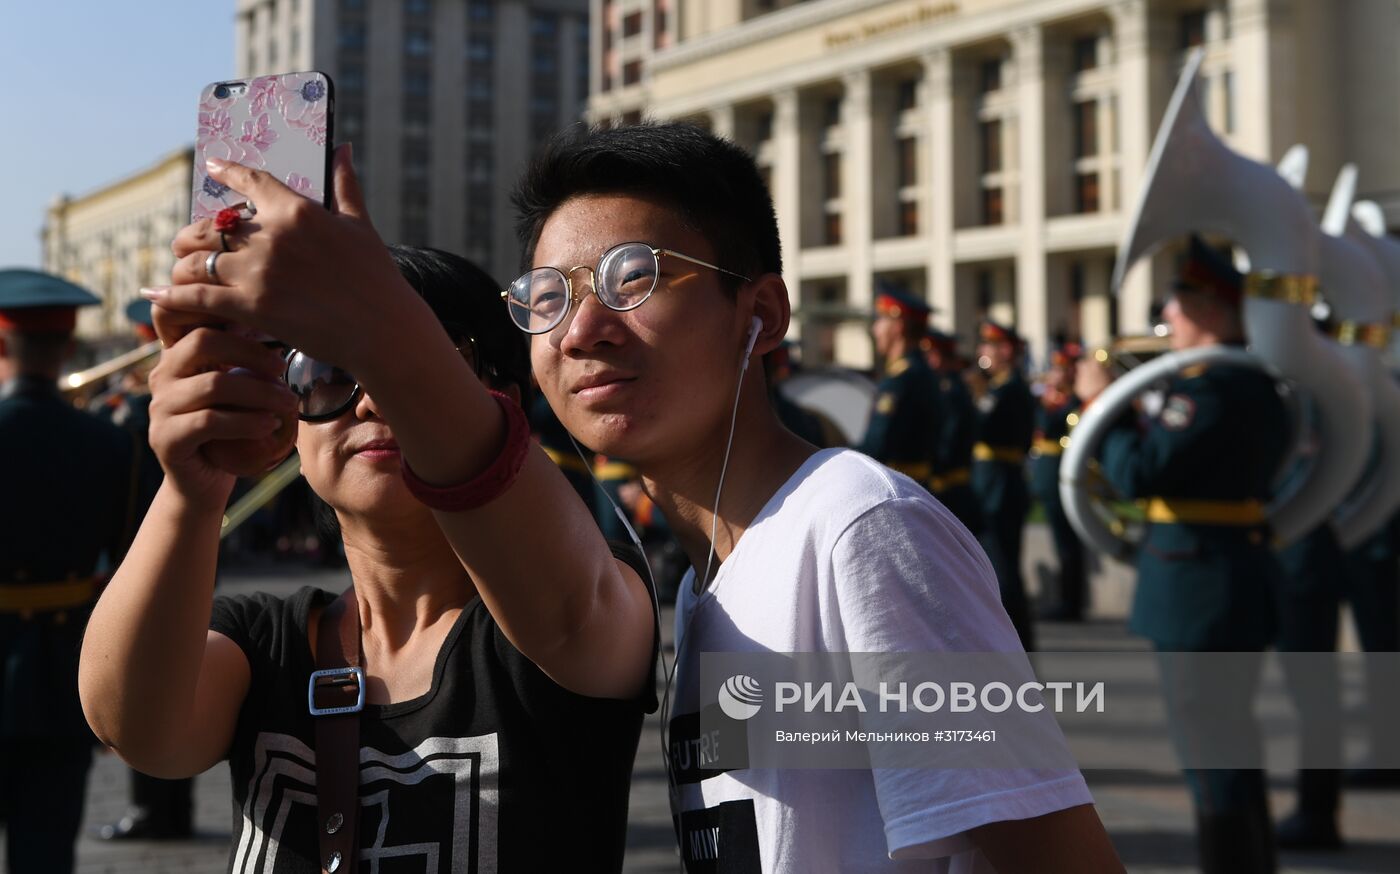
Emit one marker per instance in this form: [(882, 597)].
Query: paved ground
[(1146, 810)]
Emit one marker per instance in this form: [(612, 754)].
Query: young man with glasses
[(654, 275)]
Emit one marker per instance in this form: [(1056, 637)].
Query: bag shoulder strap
[(336, 697)]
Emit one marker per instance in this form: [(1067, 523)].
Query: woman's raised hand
[(319, 280), (198, 407)]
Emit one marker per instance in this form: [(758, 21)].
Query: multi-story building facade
[(984, 154), (443, 101), (117, 239)]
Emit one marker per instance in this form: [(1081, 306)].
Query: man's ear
[(771, 304)]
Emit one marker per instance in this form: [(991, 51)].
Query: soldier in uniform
[(903, 429), (951, 482), (159, 809), (1054, 415), (1005, 420), (64, 511), (1204, 467)]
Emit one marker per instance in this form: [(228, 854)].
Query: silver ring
[(211, 267)]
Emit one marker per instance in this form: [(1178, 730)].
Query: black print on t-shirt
[(720, 840), (441, 774)]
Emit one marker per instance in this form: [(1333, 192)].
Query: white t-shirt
[(849, 556)]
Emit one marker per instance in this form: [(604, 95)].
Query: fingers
[(346, 197), (202, 236), (204, 349), (220, 301), (222, 390), (194, 237), (172, 325), (192, 268), (259, 186), (181, 435)]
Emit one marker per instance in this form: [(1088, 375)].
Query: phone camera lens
[(220, 92)]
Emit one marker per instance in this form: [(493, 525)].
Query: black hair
[(468, 303), (714, 185)]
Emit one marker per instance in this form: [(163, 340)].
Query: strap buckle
[(336, 678)]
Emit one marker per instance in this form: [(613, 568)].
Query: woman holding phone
[(507, 652)]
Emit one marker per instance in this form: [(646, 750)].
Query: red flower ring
[(227, 220)]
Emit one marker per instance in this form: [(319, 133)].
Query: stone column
[(1137, 124), (856, 175), (936, 207), (787, 190), (1032, 318)]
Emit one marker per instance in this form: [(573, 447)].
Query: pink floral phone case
[(281, 124)]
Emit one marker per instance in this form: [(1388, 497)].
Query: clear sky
[(92, 91)]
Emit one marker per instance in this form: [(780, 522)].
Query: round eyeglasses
[(625, 277), (326, 392)]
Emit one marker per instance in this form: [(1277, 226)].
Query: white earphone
[(755, 327)]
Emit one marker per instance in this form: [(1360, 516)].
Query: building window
[(1086, 53), (352, 37), (1086, 129), (991, 146), (992, 212), (907, 94), (544, 25), (908, 162), (1086, 192), (633, 117), (480, 49), (1193, 29), (418, 7), (831, 111), (631, 72), (632, 24), (991, 75), (763, 129), (765, 172), (658, 25), (417, 42), (832, 230), (831, 175), (416, 83), (984, 291), (908, 218), (481, 10)]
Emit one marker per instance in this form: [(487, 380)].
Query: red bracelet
[(492, 482)]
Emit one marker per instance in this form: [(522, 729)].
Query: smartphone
[(282, 124)]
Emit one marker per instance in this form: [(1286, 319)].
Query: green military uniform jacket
[(1220, 439), (903, 429), (1051, 436), (1005, 421), (65, 505)]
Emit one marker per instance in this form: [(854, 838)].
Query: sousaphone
[(1354, 287), (1195, 183)]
